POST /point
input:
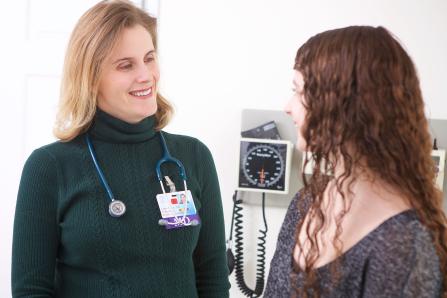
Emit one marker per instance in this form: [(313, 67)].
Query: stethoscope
[(117, 208)]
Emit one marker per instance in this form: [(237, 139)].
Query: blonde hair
[(91, 41)]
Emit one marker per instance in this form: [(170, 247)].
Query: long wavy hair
[(91, 42), (364, 110)]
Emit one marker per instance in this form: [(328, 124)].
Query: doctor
[(116, 207)]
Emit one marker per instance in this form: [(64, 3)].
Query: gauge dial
[(262, 165)]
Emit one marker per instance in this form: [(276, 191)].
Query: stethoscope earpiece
[(163, 222)]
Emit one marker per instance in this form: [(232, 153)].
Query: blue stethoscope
[(116, 207)]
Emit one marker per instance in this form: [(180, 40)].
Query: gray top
[(397, 259)]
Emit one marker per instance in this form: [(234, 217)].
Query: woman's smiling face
[(129, 79)]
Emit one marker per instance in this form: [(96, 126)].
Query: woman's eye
[(149, 59), (125, 66)]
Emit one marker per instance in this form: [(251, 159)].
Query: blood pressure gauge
[(438, 157), (264, 165)]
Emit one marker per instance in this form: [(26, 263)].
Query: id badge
[(172, 208)]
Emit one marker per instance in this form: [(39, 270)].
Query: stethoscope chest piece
[(117, 208)]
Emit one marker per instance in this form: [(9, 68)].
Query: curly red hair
[(365, 108)]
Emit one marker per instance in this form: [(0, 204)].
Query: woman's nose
[(143, 74)]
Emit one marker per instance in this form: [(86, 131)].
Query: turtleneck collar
[(110, 129)]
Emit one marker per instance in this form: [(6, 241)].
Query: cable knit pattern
[(397, 259), (67, 245)]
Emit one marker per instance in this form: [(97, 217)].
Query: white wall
[(217, 57)]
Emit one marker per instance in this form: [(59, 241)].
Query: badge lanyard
[(117, 208)]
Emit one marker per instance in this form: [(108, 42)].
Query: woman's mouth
[(142, 94)]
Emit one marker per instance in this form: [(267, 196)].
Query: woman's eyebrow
[(130, 58), (122, 59)]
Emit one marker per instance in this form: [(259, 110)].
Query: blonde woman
[(91, 218)]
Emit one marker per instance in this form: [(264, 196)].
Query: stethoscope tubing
[(98, 169), (167, 157)]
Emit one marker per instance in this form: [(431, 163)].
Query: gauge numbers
[(263, 165)]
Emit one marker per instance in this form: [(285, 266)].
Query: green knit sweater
[(67, 245)]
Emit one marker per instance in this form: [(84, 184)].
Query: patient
[(369, 221)]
